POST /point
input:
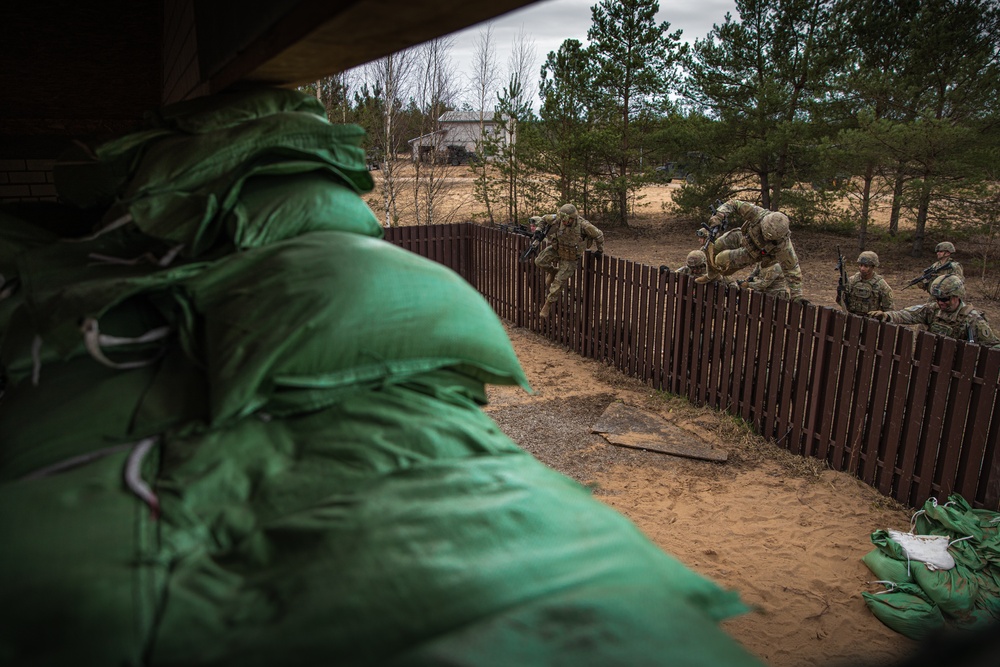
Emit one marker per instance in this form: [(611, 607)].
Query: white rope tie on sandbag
[(147, 257), (133, 474), (36, 360), (890, 586), (76, 461), (94, 341), (111, 226)]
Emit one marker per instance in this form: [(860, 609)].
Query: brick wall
[(26, 180)]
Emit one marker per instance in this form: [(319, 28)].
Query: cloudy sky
[(548, 23)]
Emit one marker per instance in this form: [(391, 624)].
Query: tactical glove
[(879, 315), (538, 235), (598, 254)]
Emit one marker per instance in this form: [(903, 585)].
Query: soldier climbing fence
[(910, 413)]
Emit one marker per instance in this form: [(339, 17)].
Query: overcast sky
[(549, 23)]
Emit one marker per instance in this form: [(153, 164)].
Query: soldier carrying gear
[(696, 260), (866, 290), (567, 241), (947, 315), (947, 286), (696, 265), (944, 266), (763, 237), (868, 258)]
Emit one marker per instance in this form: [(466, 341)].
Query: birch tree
[(514, 108), (434, 94), (389, 79), (485, 81)]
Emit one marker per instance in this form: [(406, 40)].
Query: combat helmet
[(868, 258), (696, 258), (944, 287), (567, 210), (774, 226), (945, 246)]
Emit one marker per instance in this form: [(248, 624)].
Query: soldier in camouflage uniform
[(949, 315), (768, 280), (866, 290), (944, 266), (696, 265), (763, 237), (567, 239)]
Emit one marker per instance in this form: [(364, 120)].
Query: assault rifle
[(710, 233), (928, 274), (842, 280), (517, 228), (536, 240), (749, 279)]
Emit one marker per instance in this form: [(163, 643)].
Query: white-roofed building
[(458, 135)]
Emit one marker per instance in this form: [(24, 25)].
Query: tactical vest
[(567, 241), (862, 297), (753, 238), (958, 329)]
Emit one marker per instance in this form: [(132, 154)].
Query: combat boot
[(544, 312)]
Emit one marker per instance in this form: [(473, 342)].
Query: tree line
[(829, 110)]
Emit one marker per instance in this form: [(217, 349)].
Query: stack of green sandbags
[(240, 429), (921, 599)]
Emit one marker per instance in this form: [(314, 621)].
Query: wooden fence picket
[(913, 415)]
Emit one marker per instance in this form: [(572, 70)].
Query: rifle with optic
[(712, 232), (929, 274), (536, 240)]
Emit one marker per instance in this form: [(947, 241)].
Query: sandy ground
[(783, 531)]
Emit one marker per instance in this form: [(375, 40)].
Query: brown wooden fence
[(912, 414)]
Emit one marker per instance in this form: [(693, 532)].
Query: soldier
[(944, 266), (949, 315), (566, 245), (763, 237), (769, 280), (866, 290), (696, 265)]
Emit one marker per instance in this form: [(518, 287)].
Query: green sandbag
[(225, 110), (93, 177), (62, 285), (330, 310), (888, 561), (402, 523), (887, 568), (954, 518), (81, 575), (185, 183), (953, 590), (80, 406), (274, 208), (907, 610)]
